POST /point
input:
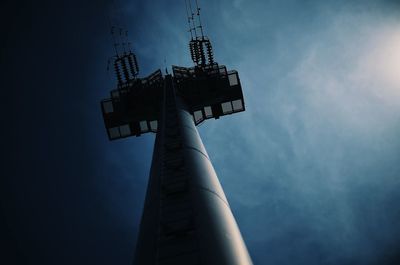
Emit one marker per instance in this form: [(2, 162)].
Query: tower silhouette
[(186, 217)]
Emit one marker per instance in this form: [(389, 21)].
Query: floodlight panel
[(154, 126), (198, 116), (113, 133), (233, 79), (208, 112), (143, 126), (125, 130), (107, 106), (237, 105), (227, 107)]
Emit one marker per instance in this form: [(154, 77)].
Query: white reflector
[(125, 130), (237, 105)]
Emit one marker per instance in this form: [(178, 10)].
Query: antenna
[(121, 27), (199, 18), (188, 20), (165, 65), (115, 43), (192, 18), (200, 46), (121, 30), (125, 63), (128, 42)]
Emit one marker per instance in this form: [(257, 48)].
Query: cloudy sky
[(311, 169)]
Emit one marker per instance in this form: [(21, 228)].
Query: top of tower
[(208, 89)]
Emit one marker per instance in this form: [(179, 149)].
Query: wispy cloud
[(318, 144), (311, 168)]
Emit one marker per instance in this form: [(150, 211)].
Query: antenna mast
[(115, 43), (200, 47), (199, 18), (188, 20), (192, 18), (125, 63)]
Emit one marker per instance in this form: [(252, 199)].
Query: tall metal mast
[(186, 217)]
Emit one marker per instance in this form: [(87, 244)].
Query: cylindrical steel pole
[(187, 219)]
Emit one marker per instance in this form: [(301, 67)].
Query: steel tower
[(186, 218)]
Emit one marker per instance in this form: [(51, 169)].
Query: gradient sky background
[(311, 169)]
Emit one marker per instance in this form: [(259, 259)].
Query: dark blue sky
[(311, 169)]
